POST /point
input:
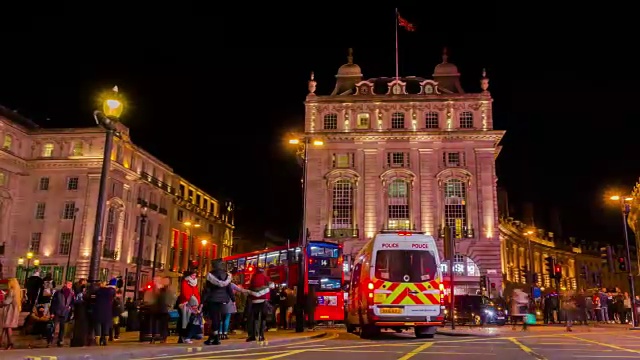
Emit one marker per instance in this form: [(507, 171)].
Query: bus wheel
[(369, 331), (425, 332)]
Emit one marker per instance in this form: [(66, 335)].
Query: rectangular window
[(397, 120), (40, 209), (453, 159), (343, 160), (342, 214), (78, 148), (397, 159), (432, 120), (72, 183), (44, 183), (47, 150), (69, 210), (64, 247), (34, 245), (330, 122), (180, 216), (363, 121)]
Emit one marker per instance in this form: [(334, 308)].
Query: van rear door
[(406, 278)]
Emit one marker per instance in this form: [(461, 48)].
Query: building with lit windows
[(49, 180), (201, 228), (410, 153), (581, 264)]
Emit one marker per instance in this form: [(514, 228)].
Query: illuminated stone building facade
[(582, 267), (49, 180), (406, 153)]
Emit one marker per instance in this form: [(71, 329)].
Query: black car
[(476, 310)]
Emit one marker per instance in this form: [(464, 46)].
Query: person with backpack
[(216, 295)]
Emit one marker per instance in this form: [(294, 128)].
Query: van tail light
[(441, 287), (370, 287)]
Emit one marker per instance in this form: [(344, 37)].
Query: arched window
[(397, 120), (342, 205), (398, 205), (330, 121), (431, 120), (466, 120), (455, 206), (110, 233), (8, 141)]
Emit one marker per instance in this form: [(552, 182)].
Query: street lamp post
[(73, 231), (155, 256), (26, 269), (202, 264), (303, 148), (188, 224), (143, 222), (112, 108), (531, 266), (626, 208)]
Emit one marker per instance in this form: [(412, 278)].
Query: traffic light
[(551, 265), (622, 263), (557, 272), (483, 282), (606, 257)]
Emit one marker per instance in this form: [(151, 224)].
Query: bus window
[(283, 257), (272, 259), (241, 263), (405, 266), (252, 261), (320, 251), (261, 260)]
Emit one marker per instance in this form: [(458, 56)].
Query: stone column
[(119, 234), (186, 250), (427, 191), (371, 185)]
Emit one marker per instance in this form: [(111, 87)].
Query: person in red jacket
[(188, 290), (259, 290)]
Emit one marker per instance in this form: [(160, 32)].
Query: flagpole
[(397, 72)]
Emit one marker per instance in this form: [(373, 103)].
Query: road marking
[(304, 346), (235, 356), (603, 344), (282, 355), (416, 351), (205, 353), (527, 349), (605, 356)]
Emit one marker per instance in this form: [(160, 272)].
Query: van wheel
[(369, 331)]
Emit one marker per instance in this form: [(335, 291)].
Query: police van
[(396, 283)]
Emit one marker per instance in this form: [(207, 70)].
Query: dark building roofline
[(18, 119)]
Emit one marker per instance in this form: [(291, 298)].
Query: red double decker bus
[(323, 271)]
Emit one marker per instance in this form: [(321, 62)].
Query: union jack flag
[(405, 24)]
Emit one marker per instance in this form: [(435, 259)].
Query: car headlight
[(488, 312)]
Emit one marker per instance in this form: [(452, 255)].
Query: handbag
[(229, 308)]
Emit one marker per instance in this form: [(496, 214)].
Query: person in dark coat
[(216, 294), (34, 287), (61, 306), (312, 303), (102, 312), (81, 320)]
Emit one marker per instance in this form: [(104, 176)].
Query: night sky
[(213, 91)]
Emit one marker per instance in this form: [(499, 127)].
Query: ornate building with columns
[(409, 153), (49, 180)]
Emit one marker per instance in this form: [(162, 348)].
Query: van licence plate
[(391, 311)]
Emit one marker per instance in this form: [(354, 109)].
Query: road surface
[(618, 344)]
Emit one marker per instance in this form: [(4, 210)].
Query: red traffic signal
[(620, 259), (493, 285), (558, 269)]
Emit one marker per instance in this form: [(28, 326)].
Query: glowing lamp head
[(294, 141), (112, 106), (29, 255)]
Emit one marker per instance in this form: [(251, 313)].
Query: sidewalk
[(128, 347), (507, 330)]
